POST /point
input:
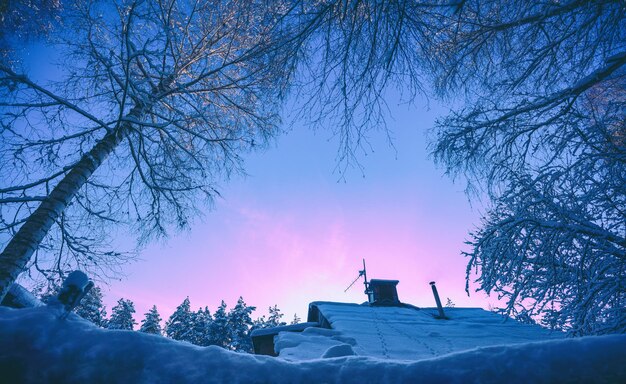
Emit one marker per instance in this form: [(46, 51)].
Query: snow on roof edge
[(282, 328)]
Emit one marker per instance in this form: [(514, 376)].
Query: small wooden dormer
[(383, 292)]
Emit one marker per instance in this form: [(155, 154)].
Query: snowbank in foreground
[(37, 347)]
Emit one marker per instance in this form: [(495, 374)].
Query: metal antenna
[(354, 281), (361, 273), (365, 282)]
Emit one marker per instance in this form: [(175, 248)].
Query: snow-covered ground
[(36, 346)]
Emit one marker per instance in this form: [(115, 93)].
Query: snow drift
[(36, 346)]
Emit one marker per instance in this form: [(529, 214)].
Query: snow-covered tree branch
[(153, 104), (543, 134)]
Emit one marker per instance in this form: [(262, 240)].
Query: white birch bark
[(18, 251)]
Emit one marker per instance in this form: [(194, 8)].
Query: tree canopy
[(171, 93), (542, 133), (154, 104)]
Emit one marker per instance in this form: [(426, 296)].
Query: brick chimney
[(382, 292)]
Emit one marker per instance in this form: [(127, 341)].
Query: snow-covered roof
[(401, 332)]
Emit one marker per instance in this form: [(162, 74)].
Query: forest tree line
[(226, 328)]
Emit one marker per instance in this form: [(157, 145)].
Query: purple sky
[(291, 233)]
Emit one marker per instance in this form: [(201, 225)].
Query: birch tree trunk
[(19, 250), (204, 84)]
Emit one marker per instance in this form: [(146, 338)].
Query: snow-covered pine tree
[(296, 319), (240, 322), (122, 315), (91, 307), (275, 316), (272, 321), (179, 326), (201, 321), (258, 323), (219, 332), (152, 322)]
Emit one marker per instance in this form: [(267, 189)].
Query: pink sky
[(290, 233)]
